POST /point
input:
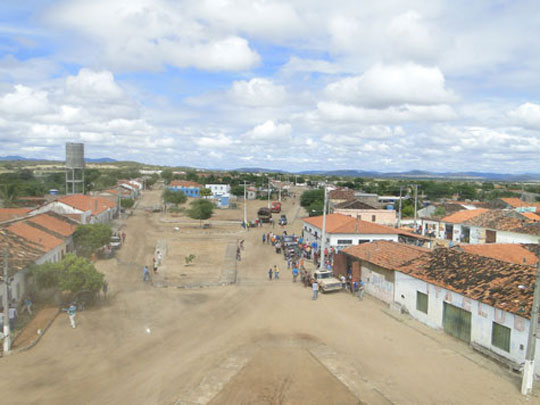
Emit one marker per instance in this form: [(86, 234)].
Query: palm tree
[(8, 194)]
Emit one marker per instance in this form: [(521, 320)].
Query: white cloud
[(89, 84), (404, 113), (150, 34), (526, 115), (383, 86), (269, 131), (296, 64), (24, 101), (214, 141), (258, 92)]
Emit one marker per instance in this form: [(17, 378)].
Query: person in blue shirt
[(146, 274), (295, 273), (72, 311)]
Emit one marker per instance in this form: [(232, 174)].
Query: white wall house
[(343, 231), (219, 190), (501, 333)]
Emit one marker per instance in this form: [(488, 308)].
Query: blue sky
[(295, 85)]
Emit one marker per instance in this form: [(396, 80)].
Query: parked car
[(283, 220), (116, 241)]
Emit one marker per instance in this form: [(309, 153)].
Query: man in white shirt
[(315, 287), (12, 313)]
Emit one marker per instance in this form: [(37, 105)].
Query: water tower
[(74, 168)]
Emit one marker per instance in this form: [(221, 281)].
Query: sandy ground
[(240, 343)]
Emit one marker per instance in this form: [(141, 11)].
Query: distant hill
[(89, 160)]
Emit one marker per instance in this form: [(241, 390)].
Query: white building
[(89, 209), (343, 230), (219, 190), (479, 300)]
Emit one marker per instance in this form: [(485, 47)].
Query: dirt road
[(258, 341)]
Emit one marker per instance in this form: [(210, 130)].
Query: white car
[(326, 280), (116, 241)]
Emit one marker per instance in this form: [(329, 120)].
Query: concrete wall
[(383, 217), (378, 282), (482, 316)]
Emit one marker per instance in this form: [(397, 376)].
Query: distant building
[(189, 188), (219, 190), (365, 212), (86, 209)]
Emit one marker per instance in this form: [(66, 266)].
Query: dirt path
[(148, 345)]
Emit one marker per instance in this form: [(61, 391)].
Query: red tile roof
[(11, 213), (341, 194), (339, 223), (185, 183), (95, 204), (508, 252), (386, 254), (464, 215), (494, 282), (505, 220), (54, 223), (516, 203), (21, 253), (531, 215), (44, 240)]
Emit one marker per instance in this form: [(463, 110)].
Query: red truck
[(275, 207)]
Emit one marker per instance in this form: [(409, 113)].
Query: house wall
[(383, 217), (188, 191), (378, 282), (219, 190), (313, 234), (512, 237), (482, 316)]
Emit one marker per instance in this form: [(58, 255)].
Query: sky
[(385, 85)]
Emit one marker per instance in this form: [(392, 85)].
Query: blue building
[(189, 188)]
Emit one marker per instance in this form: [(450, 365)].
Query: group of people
[(258, 223), (156, 262), (354, 286)]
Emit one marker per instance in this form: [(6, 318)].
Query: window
[(344, 242), (500, 336), (373, 218), (421, 302)]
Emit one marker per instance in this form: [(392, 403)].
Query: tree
[(167, 175), (310, 196), (72, 274), (205, 192), (200, 209), (8, 195), (238, 190), (173, 197), (439, 211), (127, 202), (89, 238)]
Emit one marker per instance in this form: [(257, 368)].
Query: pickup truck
[(276, 207), (326, 280)]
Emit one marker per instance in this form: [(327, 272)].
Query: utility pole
[(399, 218), (245, 204), (528, 369), (323, 241), (7, 336), (268, 192), (415, 203)]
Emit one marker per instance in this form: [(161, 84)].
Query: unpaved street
[(256, 342)]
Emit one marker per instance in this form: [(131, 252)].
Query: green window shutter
[(500, 336), (421, 302)]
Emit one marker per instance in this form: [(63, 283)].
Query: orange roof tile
[(339, 223), (41, 238), (95, 204), (508, 252), (54, 223), (386, 254), (464, 215), (21, 253), (531, 215), (516, 203), (185, 183), (11, 213)]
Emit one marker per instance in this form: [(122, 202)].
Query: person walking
[(27, 305), (276, 272), (295, 274), (159, 257), (105, 288), (263, 238), (361, 290), (123, 238), (12, 314), (72, 311), (315, 288), (146, 274), (270, 274), (343, 282)]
